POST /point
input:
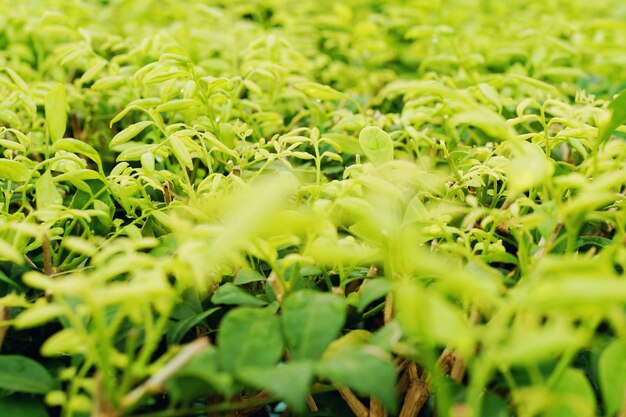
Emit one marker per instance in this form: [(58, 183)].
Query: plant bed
[(312, 208)]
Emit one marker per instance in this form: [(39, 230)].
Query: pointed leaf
[(129, 133), (56, 116)]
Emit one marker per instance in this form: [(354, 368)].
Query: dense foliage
[(312, 207)]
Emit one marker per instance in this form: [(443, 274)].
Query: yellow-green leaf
[(56, 117)]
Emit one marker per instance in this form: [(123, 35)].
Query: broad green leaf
[(617, 109), (290, 382), (310, 321), (573, 396), (21, 374), (231, 294), (22, 406), (13, 171), (46, 192), (376, 144), (249, 337), (130, 132), (612, 375), (366, 370), (56, 116)]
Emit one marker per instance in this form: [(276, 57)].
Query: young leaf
[(612, 375), (13, 171), (130, 132), (249, 337), (78, 147), (56, 116), (617, 108), (46, 193), (310, 321), (376, 144), (320, 91), (21, 374)]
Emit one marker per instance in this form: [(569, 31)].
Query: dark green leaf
[(290, 382), (22, 374), (249, 337), (231, 294), (310, 321), (366, 370), (19, 406)]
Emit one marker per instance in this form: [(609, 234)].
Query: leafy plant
[(312, 208)]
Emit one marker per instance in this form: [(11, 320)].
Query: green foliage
[(312, 208)]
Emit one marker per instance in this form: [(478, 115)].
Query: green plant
[(312, 208)]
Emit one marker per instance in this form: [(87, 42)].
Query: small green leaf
[(129, 133), (249, 337), (376, 144), (231, 294), (21, 374), (181, 152), (13, 171), (367, 370), (310, 321), (612, 375), (56, 116), (290, 382), (78, 147), (320, 91), (617, 108), (46, 193), (246, 276)]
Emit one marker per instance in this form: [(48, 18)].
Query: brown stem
[(353, 402), (310, 402), (377, 409)]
